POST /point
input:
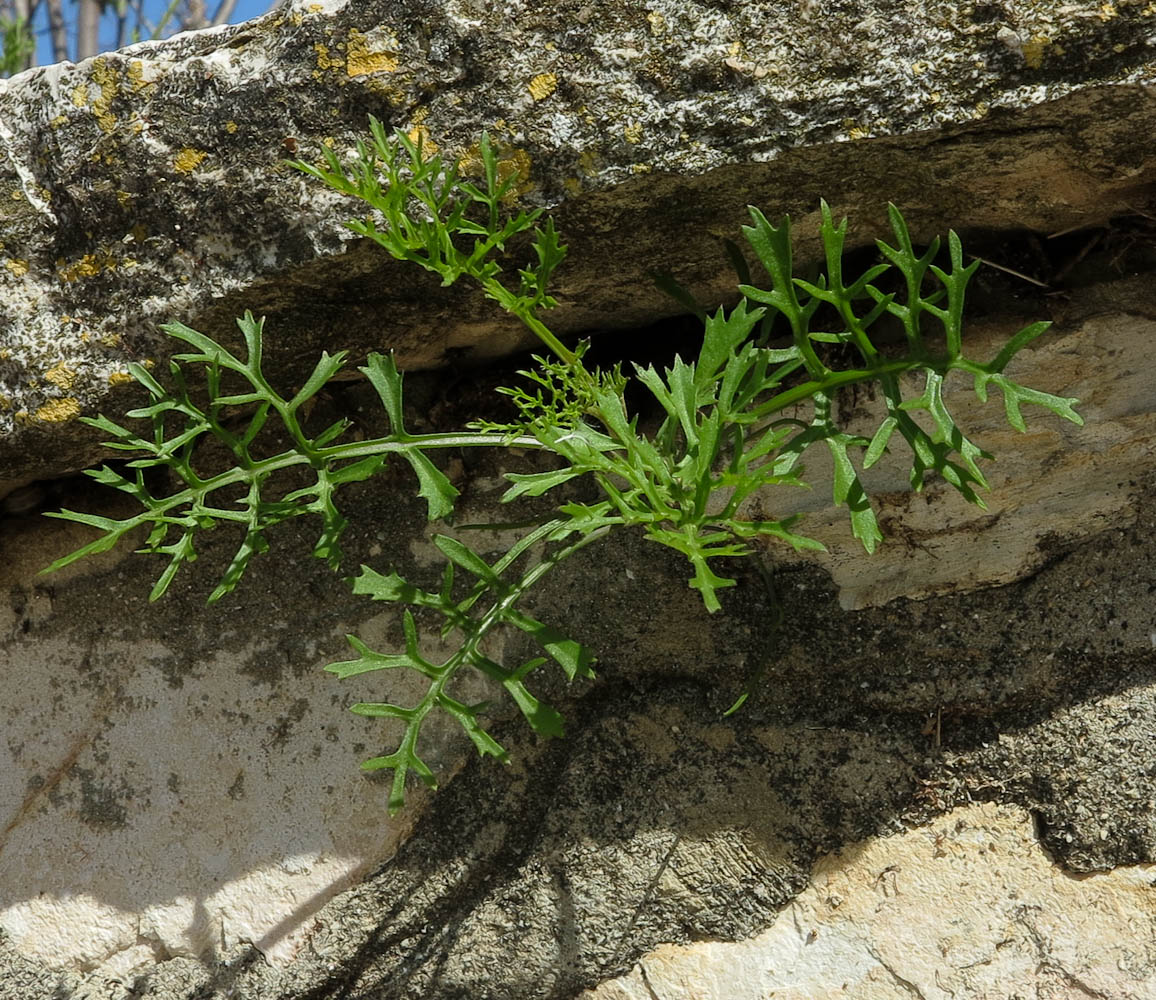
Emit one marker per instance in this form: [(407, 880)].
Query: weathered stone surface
[(149, 184), (176, 780), (179, 803), (969, 906), (656, 821), (1054, 484)]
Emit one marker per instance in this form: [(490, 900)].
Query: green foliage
[(500, 599), (16, 46), (734, 421)]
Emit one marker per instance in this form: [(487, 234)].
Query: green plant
[(731, 425), (16, 46)]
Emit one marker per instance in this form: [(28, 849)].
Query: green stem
[(495, 616), (360, 449), (834, 381), (544, 334)]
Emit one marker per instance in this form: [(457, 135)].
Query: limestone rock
[(969, 906), (180, 819), (180, 806), (1054, 484), (149, 184)]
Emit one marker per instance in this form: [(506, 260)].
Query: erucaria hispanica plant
[(731, 427)]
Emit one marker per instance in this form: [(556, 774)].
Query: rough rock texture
[(149, 184), (180, 814), (176, 780), (657, 821), (1004, 916), (1054, 484)]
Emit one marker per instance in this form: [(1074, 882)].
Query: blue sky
[(154, 9)]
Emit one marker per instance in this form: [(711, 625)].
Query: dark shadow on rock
[(650, 823), (659, 820)]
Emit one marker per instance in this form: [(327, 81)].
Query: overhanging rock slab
[(150, 184)]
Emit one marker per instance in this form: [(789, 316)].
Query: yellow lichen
[(19, 268), (1033, 51), (59, 411), (89, 266), (105, 77), (124, 198), (397, 96), (419, 135), (231, 127), (633, 133), (61, 375), (17, 195), (120, 378), (515, 163), (80, 95), (1108, 11), (58, 121), (542, 86), (136, 76), (362, 57), (188, 159), (86, 267), (324, 60), (657, 22)]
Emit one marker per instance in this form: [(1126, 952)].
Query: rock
[(179, 817), (969, 906), (176, 781), (150, 184), (180, 804), (1054, 484)]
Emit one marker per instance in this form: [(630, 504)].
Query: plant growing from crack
[(731, 429)]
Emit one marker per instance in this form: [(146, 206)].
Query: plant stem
[(360, 449), (834, 381)]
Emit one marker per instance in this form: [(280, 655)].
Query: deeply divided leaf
[(692, 468)]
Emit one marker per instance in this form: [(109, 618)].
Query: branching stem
[(723, 438)]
